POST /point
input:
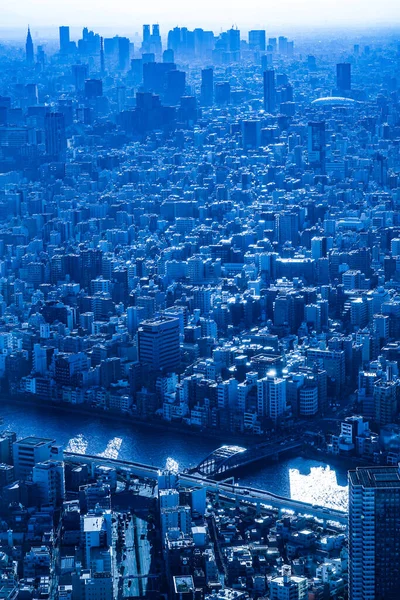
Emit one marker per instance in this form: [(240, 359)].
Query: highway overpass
[(249, 495)]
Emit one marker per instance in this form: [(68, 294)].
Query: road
[(242, 493)]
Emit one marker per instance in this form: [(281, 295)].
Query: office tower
[(269, 91), (319, 247), (29, 48), (155, 40), (385, 401), (64, 39), (282, 44), (188, 109), (79, 76), (257, 39), (93, 88), (146, 34), (234, 43), (28, 452), (207, 87), (343, 77), (50, 478), (56, 141), (155, 77), (123, 53), (251, 133), (159, 343), (222, 92), (316, 145), (374, 542), (32, 94), (272, 45), (176, 86)]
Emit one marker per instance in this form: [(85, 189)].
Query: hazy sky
[(131, 14)]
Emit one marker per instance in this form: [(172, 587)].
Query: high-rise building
[(316, 144), (222, 92), (123, 53), (282, 44), (251, 133), (343, 77), (29, 48), (50, 477), (93, 88), (28, 452), (271, 397), (64, 39), (234, 43), (176, 85), (155, 40), (374, 542), (159, 343), (257, 39), (385, 401), (207, 87), (56, 141), (269, 91), (79, 76)]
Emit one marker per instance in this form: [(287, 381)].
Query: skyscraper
[(146, 38), (79, 76), (316, 145), (207, 87), (159, 343), (257, 39), (234, 43), (56, 141), (123, 53), (269, 91), (374, 540), (64, 39), (343, 77), (29, 48)]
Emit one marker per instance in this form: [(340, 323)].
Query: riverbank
[(298, 477), (137, 423), (347, 462)]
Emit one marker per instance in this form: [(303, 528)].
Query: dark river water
[(300, 478)]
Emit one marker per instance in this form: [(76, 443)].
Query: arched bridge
[(228, 458), (220, 460)]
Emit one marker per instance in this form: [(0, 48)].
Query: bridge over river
[(228, 458), (259, 498)]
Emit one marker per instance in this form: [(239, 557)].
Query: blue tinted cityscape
[(200, 314)]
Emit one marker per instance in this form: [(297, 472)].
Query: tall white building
[(271, 397)]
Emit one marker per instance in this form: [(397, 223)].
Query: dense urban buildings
[(200, 232)]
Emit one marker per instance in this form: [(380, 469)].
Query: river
[(300, 478)]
